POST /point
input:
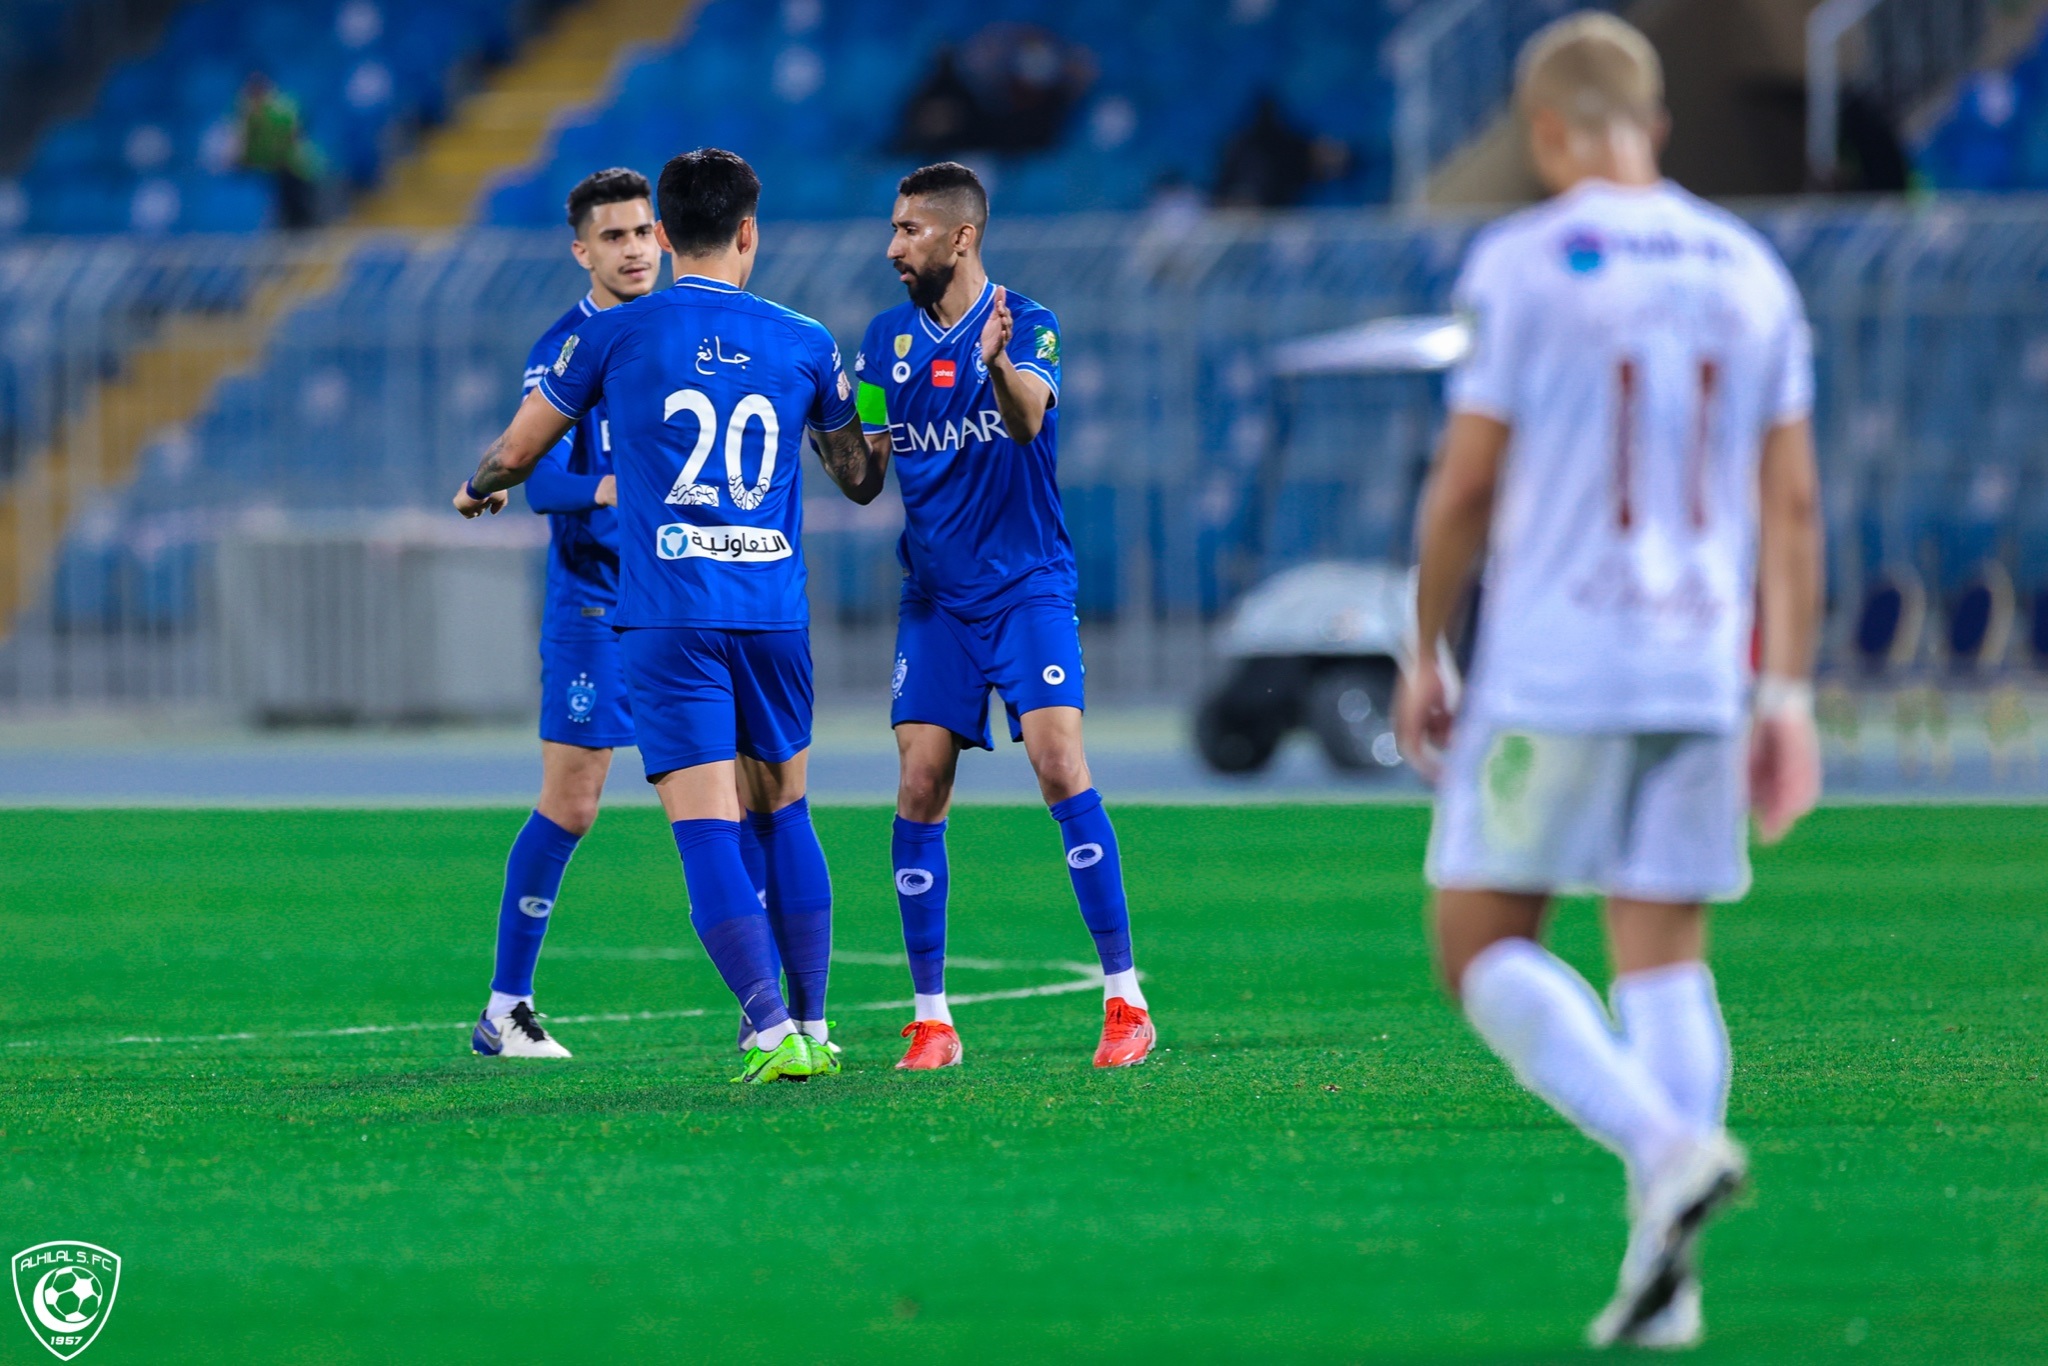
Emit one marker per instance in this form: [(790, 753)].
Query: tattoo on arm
[(854, 465), (492, 473)]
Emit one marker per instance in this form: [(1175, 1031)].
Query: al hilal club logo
[(66, 1290)]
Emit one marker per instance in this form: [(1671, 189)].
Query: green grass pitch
[(1322, 1166)]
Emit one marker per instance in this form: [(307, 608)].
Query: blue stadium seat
[(360, 70), (815, 111)]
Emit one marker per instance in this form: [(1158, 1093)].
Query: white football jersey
[(1639, 343)]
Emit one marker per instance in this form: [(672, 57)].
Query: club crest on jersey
[(66, 1291), (582, 698), (943, 374), (1584, 252), (568, 350), (1046, 345), (902, 345)]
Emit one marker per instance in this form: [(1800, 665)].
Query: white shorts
[(1658, 816)]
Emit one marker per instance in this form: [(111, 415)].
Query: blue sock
[(918, 853), (799, 903), (728, 919), (533, 875), (1098, 876), (756, 859)]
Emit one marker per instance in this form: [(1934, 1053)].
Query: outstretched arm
[(535, 428), (856, 463)]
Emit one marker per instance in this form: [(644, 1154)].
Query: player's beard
[(928, 286)]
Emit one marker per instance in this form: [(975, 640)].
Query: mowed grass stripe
[(1320, 1165)]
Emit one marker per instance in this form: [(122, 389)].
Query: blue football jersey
[(708, 390), (983, 527), (583, 539)]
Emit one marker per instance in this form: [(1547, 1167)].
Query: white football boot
[(1676, 1203), (1676, 1327), (515, 1034)]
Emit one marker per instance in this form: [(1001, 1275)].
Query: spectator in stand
[(1028, 81), (274, 141), (1010, 89), (942, 116), (1271, 164)]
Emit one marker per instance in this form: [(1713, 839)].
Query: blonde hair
[(1593, 71)]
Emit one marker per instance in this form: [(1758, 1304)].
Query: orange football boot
[(1127, 1035), (933, 1044)]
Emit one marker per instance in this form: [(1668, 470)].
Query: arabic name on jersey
[(708, 390), (983, 525)]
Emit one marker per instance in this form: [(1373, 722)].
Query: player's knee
[(923, 795), (1062, 772), (574, 814)]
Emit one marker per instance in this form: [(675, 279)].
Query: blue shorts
[(583, 693), (1030, 652), (701, 695)]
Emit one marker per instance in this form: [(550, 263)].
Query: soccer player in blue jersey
[(584, 711), (960, 388), (707, 390)]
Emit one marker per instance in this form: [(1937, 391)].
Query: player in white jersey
[(1630, 449)]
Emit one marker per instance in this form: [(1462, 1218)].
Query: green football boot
[(789, 1060), (824, 1057)]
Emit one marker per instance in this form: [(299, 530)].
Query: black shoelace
[(525, 1023)]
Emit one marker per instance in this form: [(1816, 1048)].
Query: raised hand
[(995, 333)]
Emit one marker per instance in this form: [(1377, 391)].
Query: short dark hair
[(616, 185), (704, 195), (950, 181)]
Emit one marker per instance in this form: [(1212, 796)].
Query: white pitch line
[(1087, 976)]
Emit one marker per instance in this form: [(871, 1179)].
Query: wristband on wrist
[(469, 487), (1777, 695)]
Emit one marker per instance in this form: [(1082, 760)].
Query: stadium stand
[(814, 99), (157, 150), (1189, 471)]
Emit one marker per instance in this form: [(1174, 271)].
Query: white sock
[(924, 1007), (767, 1039), (501, 1004), (1546, 1024), (1124, 984), (817, 1029), (1672, 1022)]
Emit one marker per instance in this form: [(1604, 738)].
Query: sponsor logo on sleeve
[(943, 374), (732, 544), (845, 387), (1046, 345), (568, 350)]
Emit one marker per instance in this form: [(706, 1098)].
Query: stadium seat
[(151, 152), (1891, 621), (815, 106), (1980, 621)]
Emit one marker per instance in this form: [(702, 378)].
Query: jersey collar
[(706, 282), (588, 306), (937, 334)]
